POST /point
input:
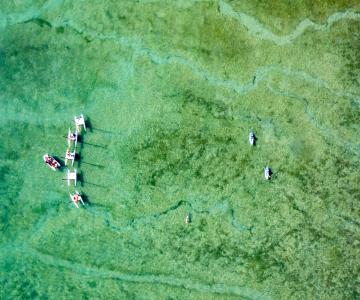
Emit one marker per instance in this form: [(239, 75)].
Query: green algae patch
[(170, 92)]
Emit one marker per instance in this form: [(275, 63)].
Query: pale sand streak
[(262, 73), (185, 283), (259, 30)]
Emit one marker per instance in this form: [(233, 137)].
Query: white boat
[(72, 136), (267, 173), (252, 138), (69, 156), (51, 162), (75, 198), (80, 122)]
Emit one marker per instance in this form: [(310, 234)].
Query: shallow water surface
[(171, 91)]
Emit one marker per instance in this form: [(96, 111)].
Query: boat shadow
[(88, 124), (85, 199), (61, 162), (80, 162), (255, 141), (81, 179), (81, 141)]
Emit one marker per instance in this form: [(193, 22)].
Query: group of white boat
[(267, 170), (72, 139)]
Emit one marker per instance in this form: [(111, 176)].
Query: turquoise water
[(170, 91)]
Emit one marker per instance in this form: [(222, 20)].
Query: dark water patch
[(15, 147), (194, 147), (46, 68), (317, 177), (315, 243), (180, 151), (10, 184), (10, 187), (224, 251), (60, 29), (349, 116), (350, 50), (216, 109)]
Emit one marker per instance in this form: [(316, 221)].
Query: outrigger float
[(76, 198), (51, 162)]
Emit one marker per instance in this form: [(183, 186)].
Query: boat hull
[(54, 165), (252, 138)]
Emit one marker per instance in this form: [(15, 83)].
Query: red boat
[(51, 162)]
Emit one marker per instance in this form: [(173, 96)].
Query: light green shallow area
[(171, 90)]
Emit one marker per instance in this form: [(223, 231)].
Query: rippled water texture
[(171, 90)]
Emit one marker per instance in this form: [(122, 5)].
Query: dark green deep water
[(171, 90)]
